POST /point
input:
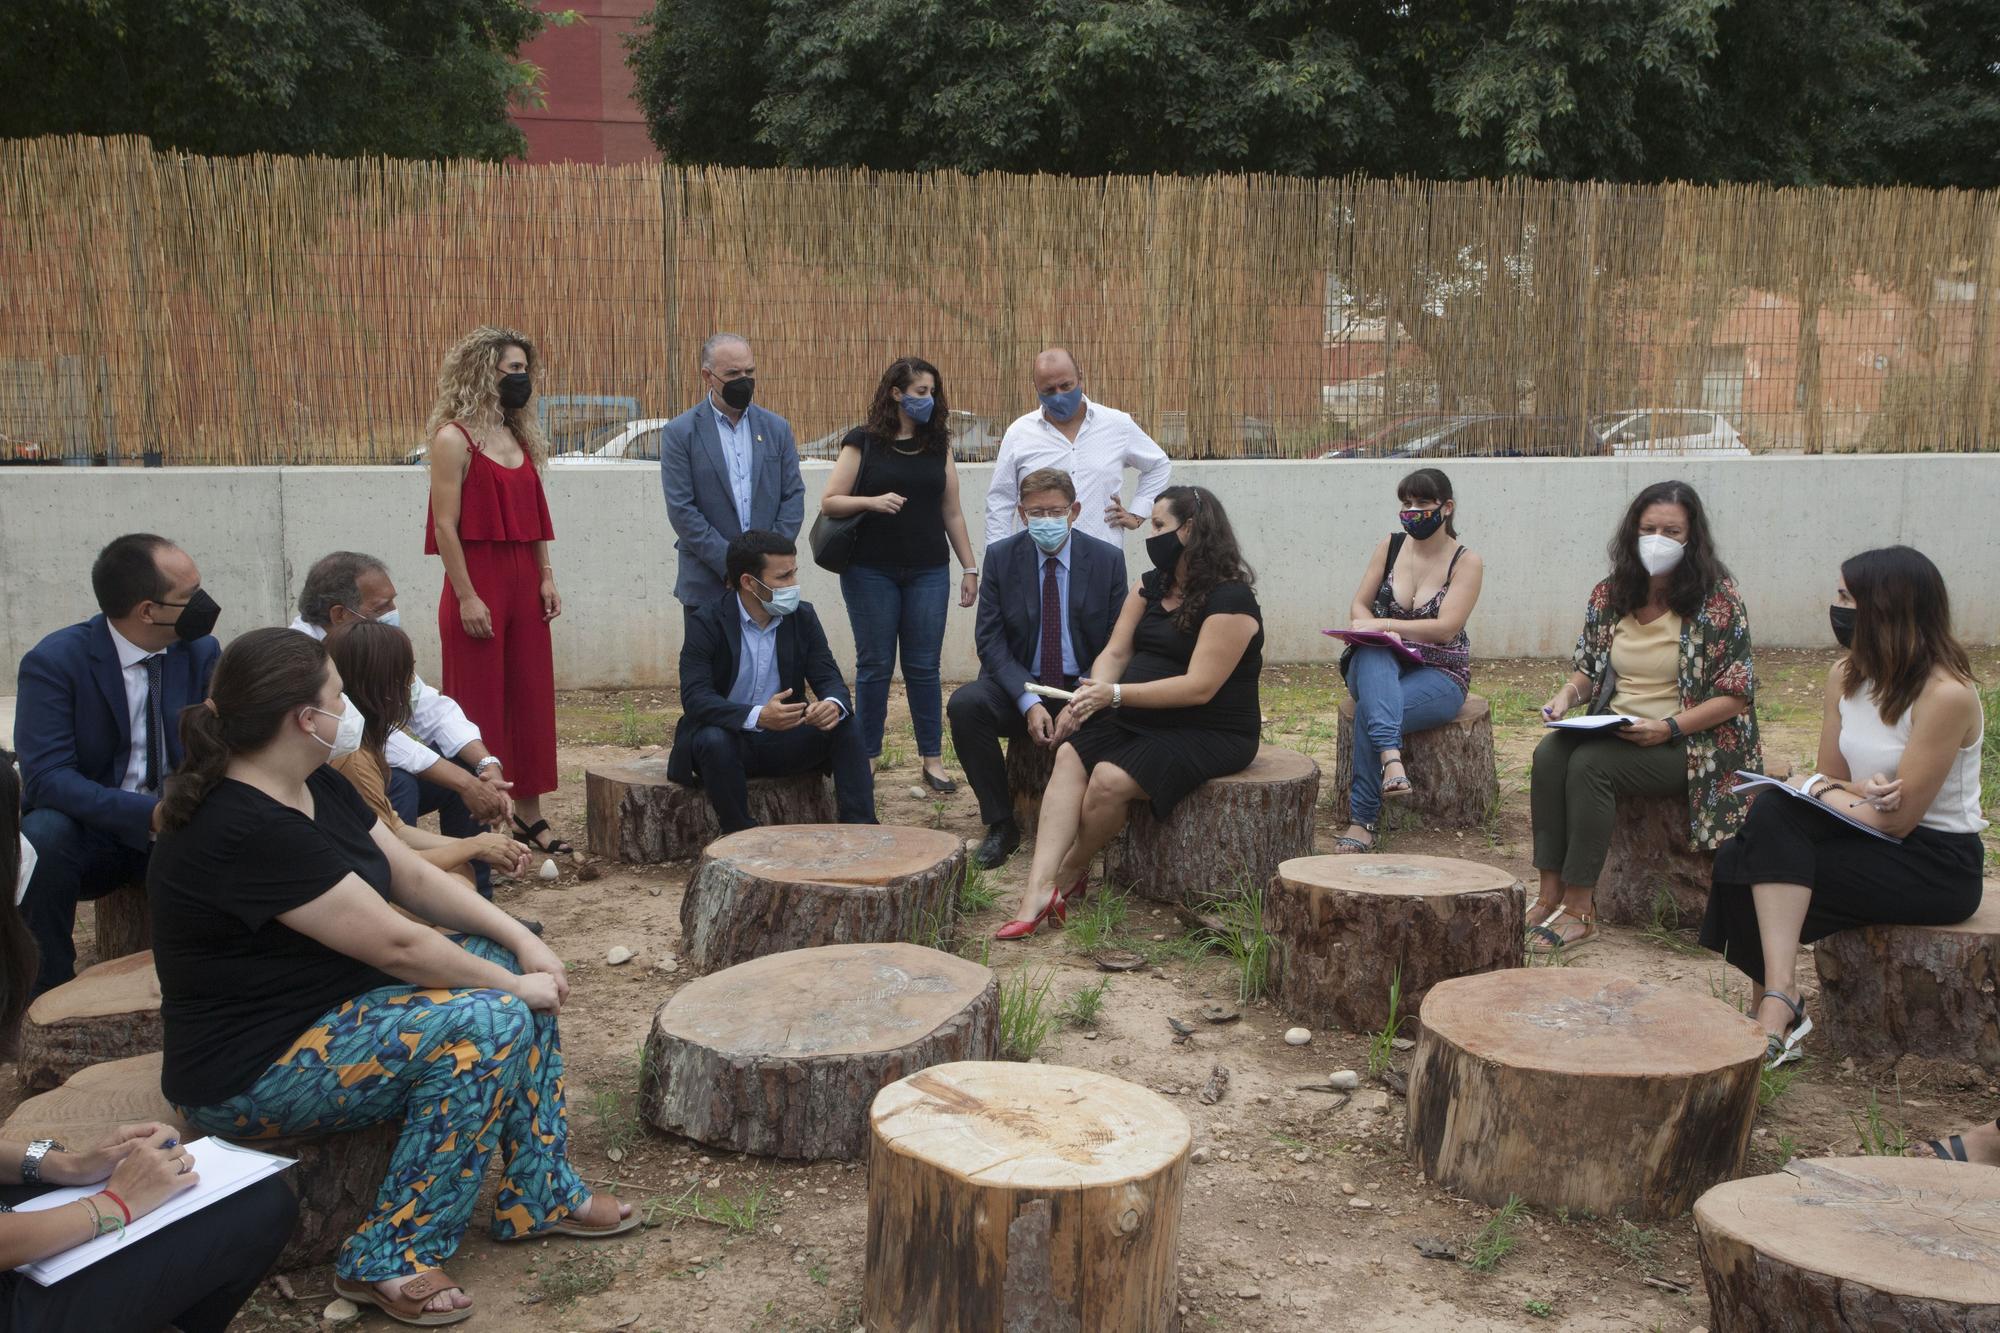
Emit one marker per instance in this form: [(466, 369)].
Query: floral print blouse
[(1715, 659)]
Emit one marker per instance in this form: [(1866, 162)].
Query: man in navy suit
[(746, 661), (97, 722), (1046, 608), (727, 467)]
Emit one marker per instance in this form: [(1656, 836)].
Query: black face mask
[(1842, 618), (198, 616), (738, 393), (1424, 524), (516, 389), (1164, 550)]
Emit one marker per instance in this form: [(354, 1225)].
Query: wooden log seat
[(767, 890), (1029, 767), (634, 814), (336, 1179), (1022, 1196), (1579, 1088), (1454, 778), (1229, 835), (782, 1055), (1649, 858), (1890, 991), (1344, 929), (124, 922), (106, 1012), (1854, 1245)]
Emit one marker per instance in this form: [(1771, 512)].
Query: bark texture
[(1649, 856), (1022, 1198), (107, 1012), (1578, 1088), (780, 1056), (768, 890), (1890, 991), (124, 922), (1854, 1245), (635, 814), (1029, 767), (1345, 928), (1454, 780), (1231, 833)]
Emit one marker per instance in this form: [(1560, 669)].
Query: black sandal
[(1346, 846), (531, 833), (1956, 1153)]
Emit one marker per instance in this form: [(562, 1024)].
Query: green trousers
[(1577, 780)]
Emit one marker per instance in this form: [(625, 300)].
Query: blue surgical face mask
[(782, 602), (391, 617), (1048, 533), (918, 409), (1063, 406)]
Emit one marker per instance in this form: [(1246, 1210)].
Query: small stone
[(618, 954), (1199, 1156), (1158, 939), (342, 1311), (669, 965), (588, 871), (1344, 1079), (1346, 1189), (548, 870), (1404, 1044), (1090, 1036), (919, 793), (615, 1154), (1302, 1156), (1298, 1036), (1249, 1294), (1369, 1101), (1359, 1202)]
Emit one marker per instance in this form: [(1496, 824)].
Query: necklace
[(907, 453)]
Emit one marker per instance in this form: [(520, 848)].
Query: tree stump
[(1854, 1245), (1230, 834), (767, 890), (1454, 779), (1650, 871), (1890, 991), (781, 1055), (1345, 929), (336, 1179), (635, 814), (1029, 767), (1022, 1197), (1579, 1088), (107, 1012), (124, 922)]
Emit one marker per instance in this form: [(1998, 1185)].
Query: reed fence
[(283, 310)]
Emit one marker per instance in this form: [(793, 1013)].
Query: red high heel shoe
[(1076, 891), (1020, 930)]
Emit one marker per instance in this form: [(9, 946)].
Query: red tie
[(1052, 663)]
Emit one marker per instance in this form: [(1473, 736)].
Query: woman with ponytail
[(296, 998)]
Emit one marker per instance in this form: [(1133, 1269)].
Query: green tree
[(405, 78)]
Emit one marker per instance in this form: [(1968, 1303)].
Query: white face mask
[(416, 693), (28, 858), (1660, 555), (392, 617), (347, 737)]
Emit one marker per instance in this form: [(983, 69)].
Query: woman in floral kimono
[(1665, 642)]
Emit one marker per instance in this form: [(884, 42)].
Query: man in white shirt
[(1093, 443), (444, 766)]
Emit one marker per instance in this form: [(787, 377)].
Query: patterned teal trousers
[(464, 1071)]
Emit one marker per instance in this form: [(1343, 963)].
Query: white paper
[(1048, 691), (1747, 781), (1593, 722), (224, 1169)]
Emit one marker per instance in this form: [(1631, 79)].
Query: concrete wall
[(1783, 524)]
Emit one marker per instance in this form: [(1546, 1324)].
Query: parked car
[(1385, 440), (1478, 435), (636, 441), (974, 439), (1253, 436), (1661, 432)]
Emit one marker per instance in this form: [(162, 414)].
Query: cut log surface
[(107, 1012), (767, 890), (1579, 1088), (635, 814), (1854, 1245), (1453, 777), (782, 1055), (1890, 991), (1029, 767), (1649, 858), (1022, 1196), (124, 922), (1229, 834), (1346, 928)]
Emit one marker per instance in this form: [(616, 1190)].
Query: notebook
[(1592, 722), (1375, 638), (1749, 782)]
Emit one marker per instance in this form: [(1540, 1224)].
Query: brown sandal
[(569, 1226), (408, 1307), (1544, 939)]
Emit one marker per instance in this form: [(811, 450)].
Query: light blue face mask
[(782, 602), (1049, 533), (392, 618), (918, 409), (1063, 406)]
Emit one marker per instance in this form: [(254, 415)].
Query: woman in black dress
[(1170, 703)]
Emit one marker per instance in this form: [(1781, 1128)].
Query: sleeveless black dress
[(1171, 751)]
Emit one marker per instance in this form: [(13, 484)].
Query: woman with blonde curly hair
[(489, 522)]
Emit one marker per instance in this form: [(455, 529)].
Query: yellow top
[(1647, 662), (369, 778)]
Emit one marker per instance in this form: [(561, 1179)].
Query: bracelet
[(490, 761), (121, 1205), (972, 571), (1673, 729), (100, 1225)]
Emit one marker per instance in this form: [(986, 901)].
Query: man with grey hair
[(728, 467)]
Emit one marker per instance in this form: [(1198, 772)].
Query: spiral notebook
[(1750, 782), (1374, 638)]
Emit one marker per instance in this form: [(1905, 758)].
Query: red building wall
[(590, 115)]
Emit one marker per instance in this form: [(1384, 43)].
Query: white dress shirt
[(132, 666), (1108, 443), (434, 717)]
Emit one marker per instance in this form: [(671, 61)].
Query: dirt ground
[(1273, 1235)]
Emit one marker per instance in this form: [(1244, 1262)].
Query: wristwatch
[(490, 761), (31, 1160), (1673, 729)]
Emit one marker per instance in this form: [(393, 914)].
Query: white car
[(1668, 432), (634, 442)]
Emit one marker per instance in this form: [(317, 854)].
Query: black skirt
[(1166, 762), (1929, 879)]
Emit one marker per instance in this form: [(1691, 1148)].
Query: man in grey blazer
[(727, 467)]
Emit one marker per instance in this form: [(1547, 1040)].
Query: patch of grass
[(1989, 753), (1775, 1083), (1513, 706), (1495, 1240), (1093, 924), (1665, 927), (892, 757), (1382, 1045), (723, 1210), (1880, 1136), (818, 1273), (578, 1274), (629, 726), (1085, 1004), (976, 893), (1787, 1149), (937, 814), (616, 1115), (1185, 949), (1539, 1309), (1243, 938), (1026, 1016), (1638, 1246)]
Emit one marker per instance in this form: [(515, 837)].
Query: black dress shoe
[(1001, 840), (534, 927), (943, 786)]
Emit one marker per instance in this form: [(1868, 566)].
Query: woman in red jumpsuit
[(489, 521)]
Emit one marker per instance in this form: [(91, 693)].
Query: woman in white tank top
[(1899, 752)]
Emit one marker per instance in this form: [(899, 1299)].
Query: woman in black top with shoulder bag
[(897, 471)]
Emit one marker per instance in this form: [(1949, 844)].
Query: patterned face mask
[(1421, 523)]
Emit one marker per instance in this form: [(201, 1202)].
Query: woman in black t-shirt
[(898, 470), (1170, 703), (296, 999)]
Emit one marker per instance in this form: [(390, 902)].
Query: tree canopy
[(1786, 91)]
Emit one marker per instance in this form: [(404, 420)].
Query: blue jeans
[(891, 606), (1392, 698), (414, 798)]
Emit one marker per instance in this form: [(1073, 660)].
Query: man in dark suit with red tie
[(1046, 608)]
